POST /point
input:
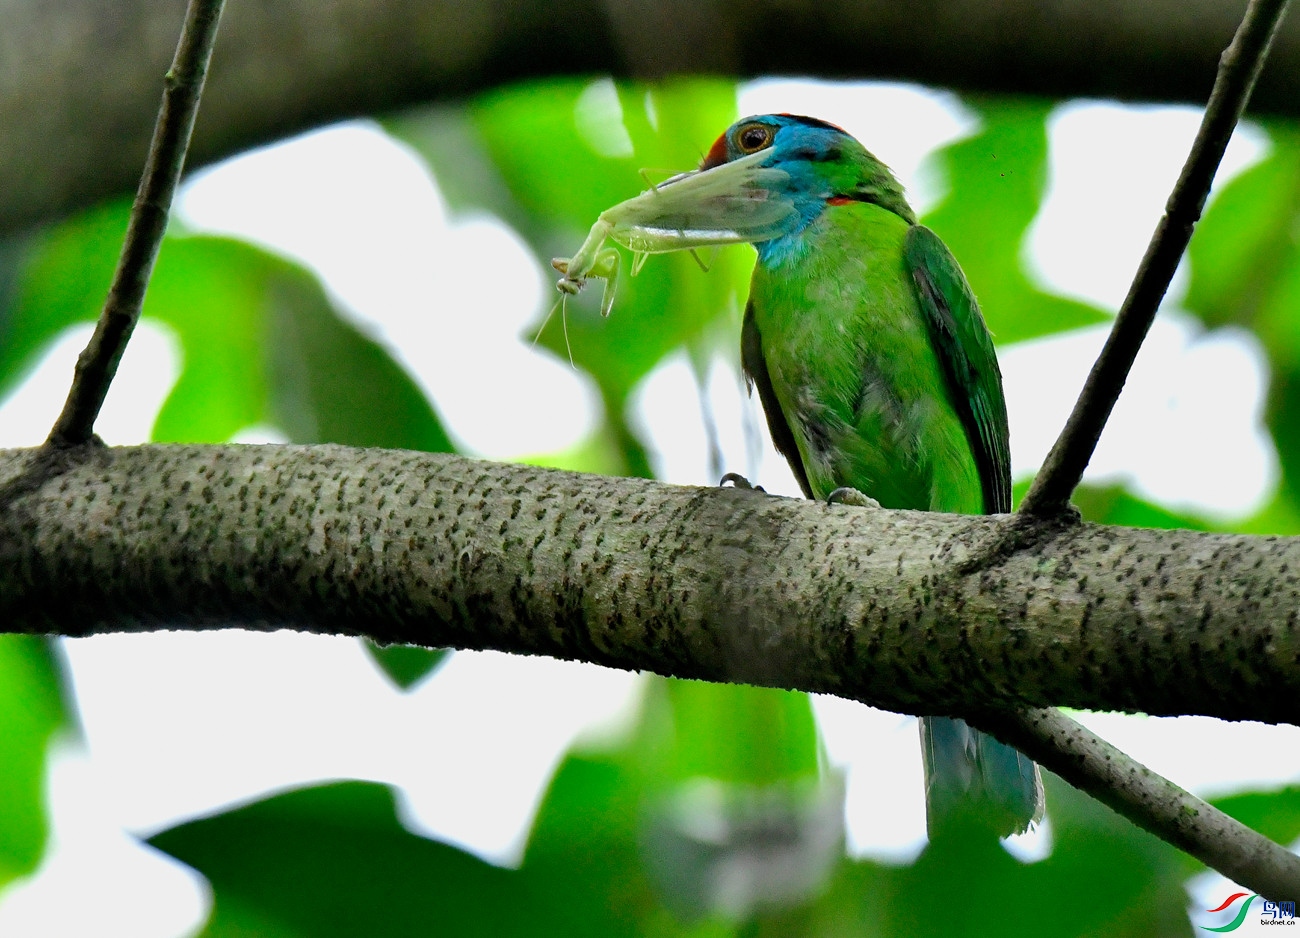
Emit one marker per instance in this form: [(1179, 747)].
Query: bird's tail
[(974, 780)]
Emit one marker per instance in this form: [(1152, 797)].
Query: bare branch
[(1153, 803), (438, 550), (897, 609), (183, 88), (1239, 67)]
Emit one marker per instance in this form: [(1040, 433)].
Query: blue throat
[(809, 207), (777, 251)]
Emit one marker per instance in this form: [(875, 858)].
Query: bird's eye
[(753, 138)]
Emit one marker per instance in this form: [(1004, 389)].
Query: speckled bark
[(914, 612), (1156, 804), (79, 79)]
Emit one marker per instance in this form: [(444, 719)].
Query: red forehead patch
[(717, 154)]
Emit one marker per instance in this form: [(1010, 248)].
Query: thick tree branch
[(895, 609), (892, 608), (77, 78), (1239, 68), (182, 91)]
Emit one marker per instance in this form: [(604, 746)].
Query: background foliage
[(716, 814)]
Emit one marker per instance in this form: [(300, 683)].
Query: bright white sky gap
[(363, 212)]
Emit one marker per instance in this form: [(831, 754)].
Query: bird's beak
[(737, 201)]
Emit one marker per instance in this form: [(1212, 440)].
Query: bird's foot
[(739, 482), (848, 495)]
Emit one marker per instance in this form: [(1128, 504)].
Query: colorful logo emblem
[(1275, 913), (1241, 916)]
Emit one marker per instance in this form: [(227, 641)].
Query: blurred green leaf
[(62, 279), (1245, 246), (607, 840), (1103, 877), (582, 856), (738, 813), (262, 344), (211, 292), (555, 175), (997, 180), (1280, 516), (406, 665), (532, 154), (446, 136), (1282, 413), (334, 861), (1275, 814), (1115, 505), (1245, 270), (671, 302), (739, 733), (594, 455), (32, 709)]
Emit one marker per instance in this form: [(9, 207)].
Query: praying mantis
[(689, 210), (592, 260)]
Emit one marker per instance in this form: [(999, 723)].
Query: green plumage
[(876, 371), (852, 368)]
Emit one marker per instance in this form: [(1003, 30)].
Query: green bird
[(877, 373)]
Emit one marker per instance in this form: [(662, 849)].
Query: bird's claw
[(848, 495), (739, 482)]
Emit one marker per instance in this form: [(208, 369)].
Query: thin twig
[(1049, 737), (182, 89), (1239, 67), (1155, 804)]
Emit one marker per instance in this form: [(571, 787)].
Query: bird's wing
[(969, 362), (755, 367)]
